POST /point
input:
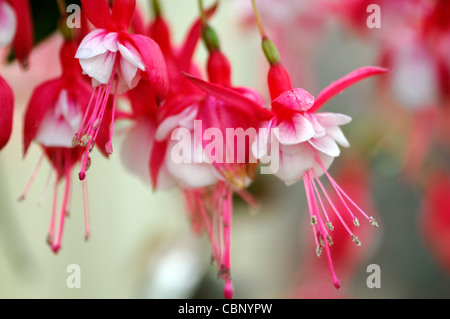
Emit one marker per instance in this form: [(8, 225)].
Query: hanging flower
[(53, 115), (116, 61), (307, 143)]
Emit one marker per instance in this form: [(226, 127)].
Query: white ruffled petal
[(188, 173), (99, 67), (92, 45), (173, 121), (332, 119), (294, 161), (295, 131), (336, 134), (132, 55), (326, 145)]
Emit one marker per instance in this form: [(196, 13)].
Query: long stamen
[(340, 191), (331, 204), (57, 243), (108, 147), (32, 178), (316, 191), (228, 288), (309, 201), (46, 188), (51, 227)]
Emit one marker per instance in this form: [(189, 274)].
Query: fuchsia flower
[(16, 27), (53, 115), (116, 61), (6, 112), (308, 145)]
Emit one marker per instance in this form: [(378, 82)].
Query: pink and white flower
[(308, 143), (116, 61)]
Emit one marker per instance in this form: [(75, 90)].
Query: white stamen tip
[(330, 226), (373, 222), (356, 240), (356, 222), (85, 140), (318, 250)]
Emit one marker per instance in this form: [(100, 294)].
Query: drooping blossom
[(143, 153), (16, 28), (115, 61), (148, 145), (308, 143), (53, 115), (6, 112)]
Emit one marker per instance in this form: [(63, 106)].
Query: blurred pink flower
[(53, 115)]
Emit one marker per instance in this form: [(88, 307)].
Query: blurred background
[(397, 168)]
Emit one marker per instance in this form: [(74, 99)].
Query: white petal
[(319, 129), (99, 67), (136, 149), (414, 77), (332, 119), (190, 175), (326, 162), (296, 131), (130, 54), (128, 72), (336, 134), (326, 145), (260, 144), (173, 121), (294, 161), (92, 45), (8, 24), (110, 42), (60, 123), (68, 109)]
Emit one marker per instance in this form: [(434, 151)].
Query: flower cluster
[(188, 129)]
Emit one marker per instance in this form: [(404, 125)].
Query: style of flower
[(53, 115), (115, 61), (308, 143)]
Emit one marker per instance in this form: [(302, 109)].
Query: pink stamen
[(312, 203), (46, 188), (331, 203), (57, 244), (340, 191), (51, 227), (94, 119), (32, 178), (309, 201), (316, 191)]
